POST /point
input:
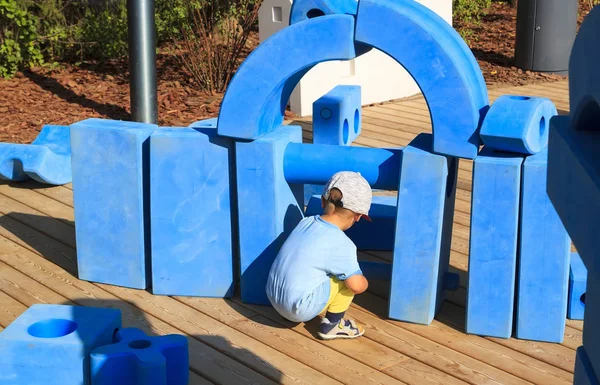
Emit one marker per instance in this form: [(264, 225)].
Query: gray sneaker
[(346, 329)]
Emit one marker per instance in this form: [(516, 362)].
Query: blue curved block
[(439, 61), (46, 160), (544, 253), (518, 124), (137, 359), (309, 9), (51, 344), (577, 287), (190, 212), (205, 123), (493, 243), (257, 96)]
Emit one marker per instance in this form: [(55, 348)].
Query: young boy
[(317, 268)]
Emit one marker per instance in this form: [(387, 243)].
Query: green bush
[(18, 38), (470, 11)]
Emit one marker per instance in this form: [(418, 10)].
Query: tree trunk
[(513, 3)]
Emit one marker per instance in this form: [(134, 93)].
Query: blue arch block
[(257, 96), (544, 253), (51, 344), (443, 66), (190, 207), (493, 243), (46, 160), (110, 195), (307, 9), (518, 124), (577, 287), (137, 359)]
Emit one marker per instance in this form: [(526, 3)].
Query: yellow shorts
[(340, 297)]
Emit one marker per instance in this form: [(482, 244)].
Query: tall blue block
[(584, 373), (110, 193), (269, 208), (46, 160), (443, 67), (51, 344), (416, 265), (190, 211), (137, 359), (577, 288), (544, 253), (518, 124), (493, 243), (257, 96), (591, 320)]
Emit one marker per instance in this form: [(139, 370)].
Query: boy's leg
[(333, 324)]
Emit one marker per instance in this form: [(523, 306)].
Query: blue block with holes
[(51, 344), (138, 359), (544, 253), (269, 208), (46, 160), (518, 124), (110, 162), (493, 243), (337, 116), (309, 9), (190, 212), (577, 286), (257, 96)]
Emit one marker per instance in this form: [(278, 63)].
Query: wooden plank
[(33, 199)]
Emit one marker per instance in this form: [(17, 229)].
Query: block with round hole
[(577, 287), (138, 359), (309, 9), (518, 124), (51, 344)]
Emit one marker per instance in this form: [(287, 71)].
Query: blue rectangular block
[(544, 253), (591, 321), (577, 287), (190, 206), (269, 208), (110, 194), (418, 233), (51, 344), (376, 271), (376, 235), (493, 243), (584, 373)]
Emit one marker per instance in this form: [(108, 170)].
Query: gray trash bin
[(545, 33)]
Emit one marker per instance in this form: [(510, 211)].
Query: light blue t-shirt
[(299, 281)]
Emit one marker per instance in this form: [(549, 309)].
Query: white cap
[(356, 191)]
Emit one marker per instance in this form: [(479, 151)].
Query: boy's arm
[(357, 283)]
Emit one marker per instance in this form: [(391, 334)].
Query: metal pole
[(142, 60)]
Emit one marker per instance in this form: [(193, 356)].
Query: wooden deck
[(233, 343)]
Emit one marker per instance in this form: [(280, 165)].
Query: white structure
[(380, 77)]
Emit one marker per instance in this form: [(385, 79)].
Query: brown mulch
[(73, 93)]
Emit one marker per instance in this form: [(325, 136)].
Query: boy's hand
[(357, 284)]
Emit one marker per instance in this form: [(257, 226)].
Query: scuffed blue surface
[(518, 124), (46, 160), (50, 344), (138, 359), (418, 233), (493, 243), (544, 253), (190, 206), (110, 194), (269, 208), (443, 66), (577, 286), (257, 96)]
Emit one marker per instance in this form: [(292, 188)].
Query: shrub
[(469, 12)]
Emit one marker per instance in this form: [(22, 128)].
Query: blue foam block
[(46, 160), (584, 373), (308, 9), (205, 123), (493, 243), (137, 359), (257, 96), (544, 253), (591, 320), (337, 116), (418, 233), (190, 212), (577, 286), (50, 344), (110, 187), (376, 271), (443, 67), (269, 208), (376, 235), (518, 124)]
